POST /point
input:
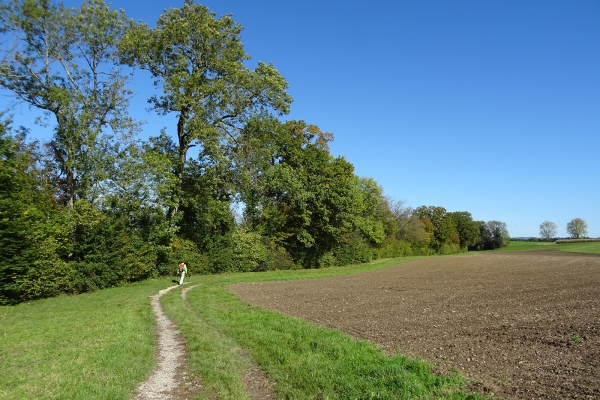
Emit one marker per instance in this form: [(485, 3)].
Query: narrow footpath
[(167, 378)]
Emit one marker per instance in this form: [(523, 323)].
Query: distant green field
[(591, 247)]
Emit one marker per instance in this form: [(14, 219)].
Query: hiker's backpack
[(181, 267)]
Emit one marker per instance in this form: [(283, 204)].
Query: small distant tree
[(548, 230), (577, 228), (493, 235)]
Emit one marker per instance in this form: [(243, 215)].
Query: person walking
[(182, 271)]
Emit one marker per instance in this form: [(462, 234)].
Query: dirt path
[(520, 325), (168, 378)]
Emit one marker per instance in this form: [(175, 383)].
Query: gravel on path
[(168, 377)]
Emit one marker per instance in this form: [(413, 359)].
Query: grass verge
[(92, 346), (305, 361)]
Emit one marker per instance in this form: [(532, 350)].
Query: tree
[(63, 63), (197, 60), (499, 234), (492, 235), (30, 237), (468, 230), (408, 225), (298, 195), (548, 230), (577, 228), (443, 226)]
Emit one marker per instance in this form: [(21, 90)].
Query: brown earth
[(518, 325)]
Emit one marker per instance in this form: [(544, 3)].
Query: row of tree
[(576, 228), (97, 207)]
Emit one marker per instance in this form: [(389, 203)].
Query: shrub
[(183, 249), (450, 248), (248, 250), (278, 258)]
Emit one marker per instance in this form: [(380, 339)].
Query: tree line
[(96, 206)]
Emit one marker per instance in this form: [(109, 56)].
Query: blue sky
[(491, 107)]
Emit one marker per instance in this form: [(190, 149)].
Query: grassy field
[(92, 346), (101, 345), (589, 247)]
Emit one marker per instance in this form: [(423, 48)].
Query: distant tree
[(577, 228), (468, 230), (492, 235), (443, 226), (409, 226), (499, 232), (548, 230)]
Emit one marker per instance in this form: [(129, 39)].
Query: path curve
[(167, 375)]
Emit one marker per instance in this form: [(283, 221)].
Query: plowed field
[(519, 325)]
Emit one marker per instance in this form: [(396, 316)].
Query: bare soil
[(518, 325)]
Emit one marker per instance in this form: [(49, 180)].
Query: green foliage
[(249, 252), (468, 230), (30, 231), (493, 235), (393, 247), (354, 249), (441, 226), (577, 228), (62, 62), (182, 249), (298, 195), (198, 61), (278, 258)]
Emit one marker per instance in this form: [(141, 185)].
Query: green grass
[(92, 346), (305, 361), (589, 247)]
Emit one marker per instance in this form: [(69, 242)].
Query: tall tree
[(409, 226), (492, 235), (444, 226), (29, 238), (296, 193), (197, 61), (468, 230), (577, 228), (63, 62), (548, 230)]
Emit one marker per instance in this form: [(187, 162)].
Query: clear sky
[(491, 107)]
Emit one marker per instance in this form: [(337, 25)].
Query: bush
[(576, 240), (394, 248), (248, 250), (183, 249), (278, 258), (450, 248), (353, 250)]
